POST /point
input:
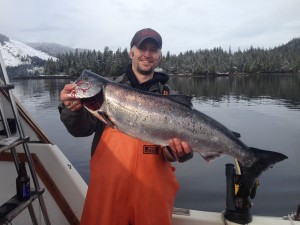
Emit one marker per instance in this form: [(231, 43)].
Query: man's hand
[(65, 96), (181, 151), (180, 148)]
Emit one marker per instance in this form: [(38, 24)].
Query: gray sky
[(183, 24)]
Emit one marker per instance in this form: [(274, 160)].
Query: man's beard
[(145, 72)]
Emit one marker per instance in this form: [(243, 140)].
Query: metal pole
[(25, 146)]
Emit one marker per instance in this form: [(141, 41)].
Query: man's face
[(145, 58)]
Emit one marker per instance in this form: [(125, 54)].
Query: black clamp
[(238, 201)]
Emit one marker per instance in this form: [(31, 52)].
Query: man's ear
[(131, 53), (159, 57)]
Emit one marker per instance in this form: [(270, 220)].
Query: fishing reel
[(238, 198)]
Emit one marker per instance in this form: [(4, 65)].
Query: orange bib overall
[(131, 183)]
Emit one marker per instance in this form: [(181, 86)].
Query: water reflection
[(39, 94), (282, 87)]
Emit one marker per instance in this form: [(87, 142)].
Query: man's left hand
[(181, 150)]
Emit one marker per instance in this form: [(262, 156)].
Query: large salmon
[(156, 119)]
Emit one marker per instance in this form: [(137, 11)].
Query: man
[(132, 182)]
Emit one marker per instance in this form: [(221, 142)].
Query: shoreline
[(172, 75), (45, 77)]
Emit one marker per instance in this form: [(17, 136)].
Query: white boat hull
[(197, 217), (65, 189)]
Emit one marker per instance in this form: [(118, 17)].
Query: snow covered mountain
[(15, 53), (51, 49), (21, 59)]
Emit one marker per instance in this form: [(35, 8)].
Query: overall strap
[(166, 89)]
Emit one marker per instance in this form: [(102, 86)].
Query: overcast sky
[(183, 24)]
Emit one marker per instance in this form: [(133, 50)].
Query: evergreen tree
[(285, 58)]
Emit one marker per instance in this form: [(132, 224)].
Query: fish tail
[(264, 160)]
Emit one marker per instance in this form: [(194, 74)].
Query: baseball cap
[(144, 34)]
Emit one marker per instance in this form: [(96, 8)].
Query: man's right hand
[(70, 102)]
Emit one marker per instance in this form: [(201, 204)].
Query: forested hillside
[(285, 58), (52, 49)]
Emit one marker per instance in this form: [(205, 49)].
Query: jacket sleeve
[(80, 123)]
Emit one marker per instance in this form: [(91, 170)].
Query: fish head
[(87, 85), (89, 89)]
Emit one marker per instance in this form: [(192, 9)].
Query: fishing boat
[(57, 190)]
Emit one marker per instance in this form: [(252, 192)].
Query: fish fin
[(182, 99), (236, 134), (210, 156), (264, 160), (106, 119)]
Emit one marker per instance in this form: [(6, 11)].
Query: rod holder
[(237, 207)]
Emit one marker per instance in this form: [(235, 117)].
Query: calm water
[(265, 110)]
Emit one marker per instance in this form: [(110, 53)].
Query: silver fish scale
[(153, 118)]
